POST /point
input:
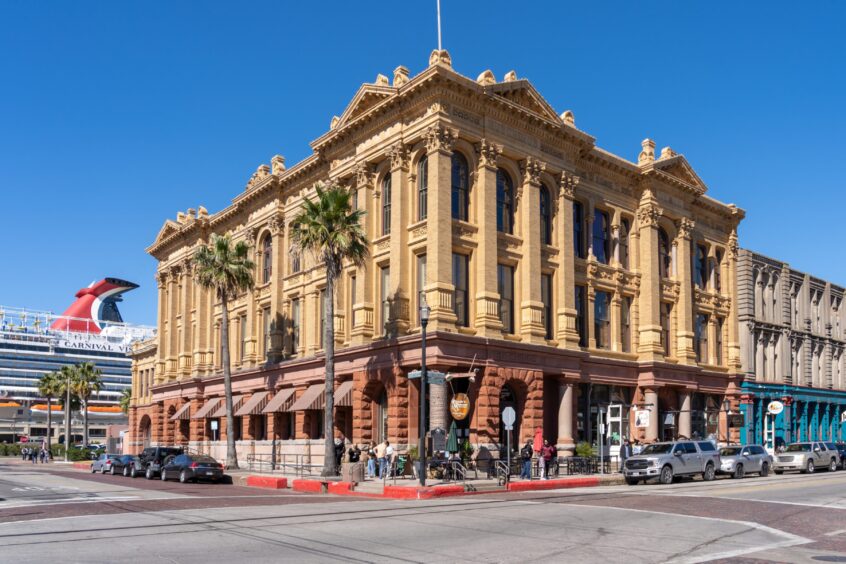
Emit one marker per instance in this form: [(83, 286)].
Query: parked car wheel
[(765, 470), (133, 473), (149, 474), (809, 469), (739, 472), (112, 470), (163, 475), (709, 473), (632, 481), (183, 477), (666, 476), (126, 471), (103, 469), (832, 466), (93, 470)]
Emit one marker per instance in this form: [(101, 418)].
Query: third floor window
[(422, 189), (504, 202), (460, 187), (601, 236), (386, 205), (545, 216)]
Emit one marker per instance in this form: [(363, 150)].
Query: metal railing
[(284, 463), (503, 473)]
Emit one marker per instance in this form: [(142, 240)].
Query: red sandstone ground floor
[(569, 395)]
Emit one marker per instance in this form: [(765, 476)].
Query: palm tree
[(88, 382), (66, 380), (226, 269), (125, 400), (331, 230), (50, 387)]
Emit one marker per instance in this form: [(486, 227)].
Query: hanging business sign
[(775, 407), (843, 417), (641, 418), (459, 406)]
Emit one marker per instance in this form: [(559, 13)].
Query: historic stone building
[(792, 343), (577, 282)]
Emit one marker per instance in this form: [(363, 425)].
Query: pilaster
[(487, 295), (568, 337), (649, 326), (684, 308), (362, 306), (398, 321), (531, 305)]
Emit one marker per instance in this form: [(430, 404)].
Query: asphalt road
[(50, 513)]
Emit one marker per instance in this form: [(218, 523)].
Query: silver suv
[(741, 460), (667, 460), (807, 457)]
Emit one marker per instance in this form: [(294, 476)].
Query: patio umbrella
[(538, 443), (452, 440)]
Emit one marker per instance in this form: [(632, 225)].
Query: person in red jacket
[(545, 460)]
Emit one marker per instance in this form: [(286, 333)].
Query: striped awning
[(343, 395), (236, 403), (281, 402), (183, 413), (210, 405), (312, 398), (254, 405)]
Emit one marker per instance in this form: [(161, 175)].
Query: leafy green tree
[(125, 400), (225, 268), (89, 381), (331, 230), (50, 387)]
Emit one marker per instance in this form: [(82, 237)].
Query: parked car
[(124, 464), (193, 467), (741, 460), (94, 451), (103, 463), (841, 450), (807, 457), (151, 460), (667, 460)]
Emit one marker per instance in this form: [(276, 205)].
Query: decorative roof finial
[(440, 57), (400, 76), (647, 154), (486, 78)]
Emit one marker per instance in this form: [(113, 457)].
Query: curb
[(81, 465), (267, 482), (553, 484)]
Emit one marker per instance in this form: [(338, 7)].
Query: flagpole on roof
[(439, 25)]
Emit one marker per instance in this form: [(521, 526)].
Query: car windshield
[(799, 447), (661, 448), (730, 451)]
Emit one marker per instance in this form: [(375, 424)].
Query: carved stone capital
[(161, 279), (440, 138), (399, 156), (568, 184), (277, 224), (685, 227), (364, 175), (648, 215), (732, 245), (532, 169), (488, 153), (250, 234)]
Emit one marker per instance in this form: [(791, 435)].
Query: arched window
[(422, 188), (386, 205), (504, 202), (460, 187), (545, 217), (266, 259), (663, 254), (382, 418)]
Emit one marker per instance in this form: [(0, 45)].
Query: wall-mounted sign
[(641, 418), (843, 417), (736, 420), (459, 406), (775, 407)]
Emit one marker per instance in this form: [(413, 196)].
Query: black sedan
[(193, 467), (124, 464)]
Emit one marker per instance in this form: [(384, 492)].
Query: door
[(692, 460), (617, 429), (751, 461)]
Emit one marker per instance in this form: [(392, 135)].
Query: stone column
[(398, 322), (733, 345), (712, 341), (684, 414), (566, 442), (650, 397), (185, 351), (616, 320), (487, 295), (684, 309), (439, 288), (649, 326), (567, 335), (172, 311), (362, 306), (277, 299), (531, 304)]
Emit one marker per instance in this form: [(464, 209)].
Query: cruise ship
[(34, 343)]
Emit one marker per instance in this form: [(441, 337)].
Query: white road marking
[(835, 533)]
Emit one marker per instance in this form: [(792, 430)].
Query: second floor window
[(718, 264), (242, 321), (546, 299), (578, 230), (422, 189), (665, 312), (295, 326), (266, 259), (461, 281), (505, 287), (664, 256), (718, 346), (460, 187), (700, 264), (700, 338), (581, 315), (504, 202), (386, 205), (626, 324), (545, 216), (601, 236), (321, 303), (384, 289), (265, 317), (625, 227), (602, 320)]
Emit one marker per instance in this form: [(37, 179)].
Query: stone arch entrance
[(511, 395), (145, 429)]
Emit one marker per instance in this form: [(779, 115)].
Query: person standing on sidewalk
[(625, 452), (526, 458), (380, 458), (371, 460), (545, 459)]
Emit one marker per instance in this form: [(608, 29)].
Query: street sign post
[(509, 416)]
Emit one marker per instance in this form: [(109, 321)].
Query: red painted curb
[(401, 492), (552, 484), (308, 486), (269, 482), (340, 488), (82, 465)]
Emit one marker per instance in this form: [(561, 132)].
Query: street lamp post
[(421, 449), (727, 409)]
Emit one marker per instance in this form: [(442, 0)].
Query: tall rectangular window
[(386, 205), (461, 281), (626, 323), (718, 264), (546, 298), (601, 236), (421, 282), (625, 227), (505, 287), (265, 316), (581, 315), (700, 267), (295, 262), (242, 321), (295, 326), (602, 320), (578, 230), (422, 189), (665, 312), (700, 338), (718, 346), (384, 289)]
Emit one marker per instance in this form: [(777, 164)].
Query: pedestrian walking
[(380, 458), (339, 451), (545, 459), (625, 452), (24, 453), (371, 460), (526, 458)]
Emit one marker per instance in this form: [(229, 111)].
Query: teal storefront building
[(809, 414)]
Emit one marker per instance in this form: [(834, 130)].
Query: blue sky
[(114, 115)]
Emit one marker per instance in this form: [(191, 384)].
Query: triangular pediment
[(169, 228), (677, 165), (522, 93), (367, 96)]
